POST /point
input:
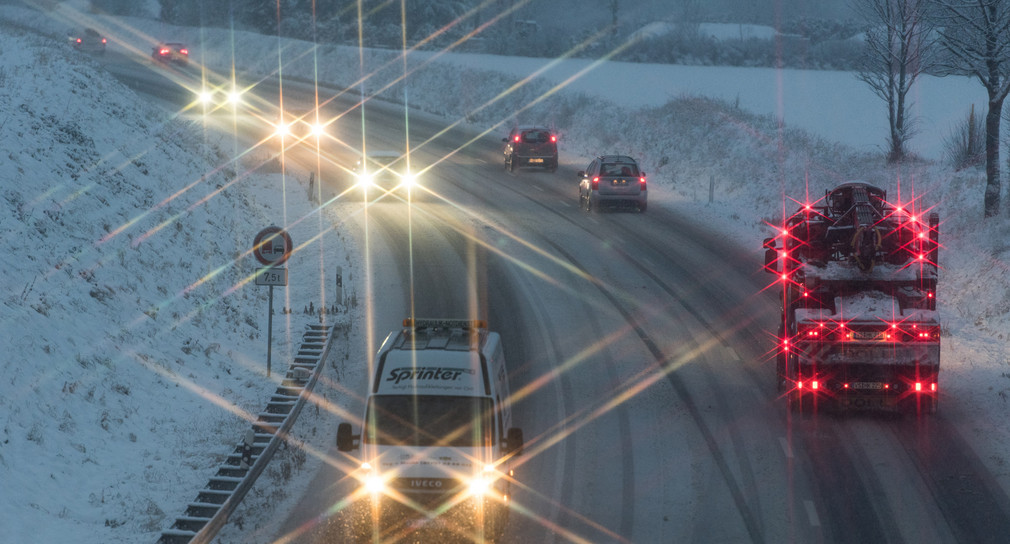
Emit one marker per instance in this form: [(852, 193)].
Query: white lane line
[(812, 514), (785, 447)]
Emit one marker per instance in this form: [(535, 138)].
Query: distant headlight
[(365, 179), (409, 180), (235, 97), (206, 97)]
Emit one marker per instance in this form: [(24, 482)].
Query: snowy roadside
[(136, 343)]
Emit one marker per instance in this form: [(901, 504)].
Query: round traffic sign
[(272, 246)]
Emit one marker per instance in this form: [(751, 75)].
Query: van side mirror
[(514, 441), (346, 438)]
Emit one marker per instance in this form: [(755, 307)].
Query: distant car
[(171, 52), (379, 173), (89, 41), (613, 181), (531, 145)]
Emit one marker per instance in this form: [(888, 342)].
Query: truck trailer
[(859, 328)]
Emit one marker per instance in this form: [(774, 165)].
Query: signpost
[(272, 246)]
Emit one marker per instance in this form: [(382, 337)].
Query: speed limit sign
[(272, 246)]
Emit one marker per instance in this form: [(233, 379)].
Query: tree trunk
[(992, 171)]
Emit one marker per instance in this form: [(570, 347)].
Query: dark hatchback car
[(89, 41), (531, 145), (171, 52), (613, 181)]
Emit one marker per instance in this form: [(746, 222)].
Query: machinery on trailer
[(859, 326)]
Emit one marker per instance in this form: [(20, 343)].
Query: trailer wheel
[(781, 372)]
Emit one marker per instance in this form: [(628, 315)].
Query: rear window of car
[(536, 136), (618, 169)]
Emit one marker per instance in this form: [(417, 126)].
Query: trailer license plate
[(867, 335), (866, 385)]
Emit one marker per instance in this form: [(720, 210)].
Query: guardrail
[(214, 504)]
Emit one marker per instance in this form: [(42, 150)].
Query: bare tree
[(976, 33), (898, 46), (614, 8)]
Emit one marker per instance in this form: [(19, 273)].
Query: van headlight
[(364, 179), (483, 483), (373, 482), (408, 179)]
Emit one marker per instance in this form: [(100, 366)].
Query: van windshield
[(427, 420)]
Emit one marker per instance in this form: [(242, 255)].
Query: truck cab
[(437, 443)]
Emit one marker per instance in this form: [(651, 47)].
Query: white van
[(437, 444)]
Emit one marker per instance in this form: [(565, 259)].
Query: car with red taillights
[(89, 41), (171, 52), (613, 181), (531, 145)]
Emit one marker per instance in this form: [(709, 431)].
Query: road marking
[(539, 188), (812, 514), (785, 447)]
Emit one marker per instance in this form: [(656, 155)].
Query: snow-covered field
[(136, 348)]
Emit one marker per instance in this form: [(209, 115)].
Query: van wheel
[(510, 163)]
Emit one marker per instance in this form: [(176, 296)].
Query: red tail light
[(78, 40), (641, 182), (184, 51), (164, 51), (554, 138), (516, 139), (103, 40), (596, 183)]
